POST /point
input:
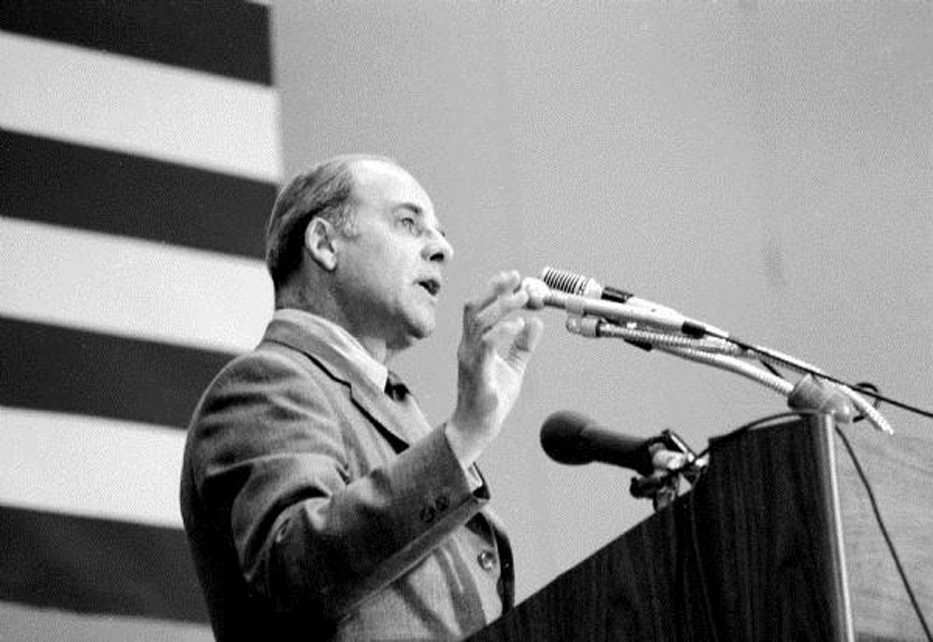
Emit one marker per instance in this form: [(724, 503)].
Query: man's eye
[(409, 224)]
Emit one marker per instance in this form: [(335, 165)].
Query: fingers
[(499, 284), (503, 297), (537, 291), (525, 341), (665, 460), (516, 339), (492, 356)]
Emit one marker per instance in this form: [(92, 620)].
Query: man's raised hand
[(492, 357)]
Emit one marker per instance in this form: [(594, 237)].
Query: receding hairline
[(344, 164), (352, 162), (357, 168)]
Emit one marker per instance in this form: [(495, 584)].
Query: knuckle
[(476, 321), (470, 310), (515, 300)]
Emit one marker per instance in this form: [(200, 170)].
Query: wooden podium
[(756, 551)]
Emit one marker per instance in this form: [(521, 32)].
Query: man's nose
[(438, 248)]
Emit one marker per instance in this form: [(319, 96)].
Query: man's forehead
[(380, 182)]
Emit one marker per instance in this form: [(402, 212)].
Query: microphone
[(540, 295), (573, 283), (579, 285), (572, 438)]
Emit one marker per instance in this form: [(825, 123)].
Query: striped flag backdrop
[(138, 160)]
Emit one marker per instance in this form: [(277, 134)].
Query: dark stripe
[(97, 566), (223, 37), (64, 184), (74, 371)]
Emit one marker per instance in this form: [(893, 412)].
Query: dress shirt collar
[(342, 342)]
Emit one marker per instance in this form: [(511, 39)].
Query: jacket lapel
[(402, 420)]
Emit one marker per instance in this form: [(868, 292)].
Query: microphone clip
[(675, 466)]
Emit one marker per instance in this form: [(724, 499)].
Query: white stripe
[(130, 105), (21, 622), (128, 287), (90, 466)]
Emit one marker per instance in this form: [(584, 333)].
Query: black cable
[(772, 369), (869, 390), (871, 497), (704, 588), (791, 364), (750, 425), (681, 579), (884, 532), (862, 386)]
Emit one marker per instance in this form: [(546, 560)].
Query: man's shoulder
[(264, 378), (266, 362)]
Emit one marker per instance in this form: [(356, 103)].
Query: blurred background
[(766, 167)]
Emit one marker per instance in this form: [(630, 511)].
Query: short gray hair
[(325, 190)]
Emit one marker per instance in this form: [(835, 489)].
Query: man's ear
[(319, 242)]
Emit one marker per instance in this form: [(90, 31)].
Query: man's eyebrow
[(412, 207), (419, 212)]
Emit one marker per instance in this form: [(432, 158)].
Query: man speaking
[(318, 502)]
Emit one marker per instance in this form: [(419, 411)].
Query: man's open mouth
[(433, 286)]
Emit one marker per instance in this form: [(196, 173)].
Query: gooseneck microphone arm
[(806, 395), (595, 311)]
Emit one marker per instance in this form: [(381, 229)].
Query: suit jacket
[(316, 504)]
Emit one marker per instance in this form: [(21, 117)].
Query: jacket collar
[(349, 352), (304, 332)]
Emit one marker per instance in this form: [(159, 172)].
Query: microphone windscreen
[(565, 281), (572, 438), (561, 438)]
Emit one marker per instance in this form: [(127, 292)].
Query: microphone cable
[(723, 352), (575, 284), (915, 605), (884, 532), (704, 586), (795, 364)]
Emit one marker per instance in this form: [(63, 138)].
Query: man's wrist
[(464, 444)]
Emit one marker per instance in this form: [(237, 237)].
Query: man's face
[(390, 268)]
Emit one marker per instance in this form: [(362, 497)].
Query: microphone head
[(570, 282), (571, 438), (562, 440)]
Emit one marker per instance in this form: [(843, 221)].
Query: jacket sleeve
[(271, 460)]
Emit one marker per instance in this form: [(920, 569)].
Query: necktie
[(395, 387), (406, 408)]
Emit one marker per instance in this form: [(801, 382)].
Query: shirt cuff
[(474, 479)]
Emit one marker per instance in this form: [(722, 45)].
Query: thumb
[(525, 341)]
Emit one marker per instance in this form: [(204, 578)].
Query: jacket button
[(441, 503), (487, 560), (427, 514)]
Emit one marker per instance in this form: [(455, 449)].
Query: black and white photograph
[(500, 320)]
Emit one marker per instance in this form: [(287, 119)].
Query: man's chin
[(416, 331), (423, 329)]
